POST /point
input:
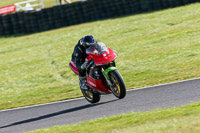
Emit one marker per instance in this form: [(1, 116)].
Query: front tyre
[(118, 86), (90, 96)]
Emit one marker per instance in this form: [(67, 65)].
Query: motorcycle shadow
[(57, 114)]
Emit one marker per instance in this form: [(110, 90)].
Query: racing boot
[(82, 83)]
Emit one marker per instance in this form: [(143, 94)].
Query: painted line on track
[(69, 100), (166, 84), (44, 104)]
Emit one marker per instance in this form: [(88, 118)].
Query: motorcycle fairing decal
[(108, 70), (89, 82), (97, 84)]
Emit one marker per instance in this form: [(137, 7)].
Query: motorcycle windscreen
[(101, 54)]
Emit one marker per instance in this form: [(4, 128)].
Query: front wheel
[(90, 96), (118, 86)]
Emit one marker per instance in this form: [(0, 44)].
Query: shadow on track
[(56, 114)]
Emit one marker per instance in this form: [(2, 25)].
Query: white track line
[(165, 84), (38, 105)]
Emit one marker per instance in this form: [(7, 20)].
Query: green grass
[(47, 3), (184, 119), (154, 48)]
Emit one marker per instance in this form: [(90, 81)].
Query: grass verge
[(154, 48), (184, 119)]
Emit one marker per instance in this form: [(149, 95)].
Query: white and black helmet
[(88, 41)]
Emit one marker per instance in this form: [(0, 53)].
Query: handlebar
[(90, 63)]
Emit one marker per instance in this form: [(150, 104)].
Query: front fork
[(106, 75)]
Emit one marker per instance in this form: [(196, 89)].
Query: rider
[(79, 55)]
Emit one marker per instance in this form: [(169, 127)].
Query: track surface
[(75, 111)]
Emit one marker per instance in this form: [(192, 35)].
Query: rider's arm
[(79, 59)]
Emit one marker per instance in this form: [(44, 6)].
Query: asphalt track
[(78, 110)]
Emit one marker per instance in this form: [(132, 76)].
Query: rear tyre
[(118, 86), (90, 96)]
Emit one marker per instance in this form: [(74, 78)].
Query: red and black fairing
[(72, 65), (102, 58)]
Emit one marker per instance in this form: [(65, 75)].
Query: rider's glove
[(83, 66)]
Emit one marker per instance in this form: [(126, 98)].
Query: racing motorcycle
[(101, 73)]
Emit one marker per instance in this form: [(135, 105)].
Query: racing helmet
[(87, 41)]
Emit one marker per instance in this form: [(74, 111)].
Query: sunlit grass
[(153, 48)]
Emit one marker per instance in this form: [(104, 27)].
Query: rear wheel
[(118, 86), (90, 96)]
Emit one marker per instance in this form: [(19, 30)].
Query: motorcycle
[(101, 73)]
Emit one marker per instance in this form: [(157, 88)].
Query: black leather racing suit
[(78, 57)]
